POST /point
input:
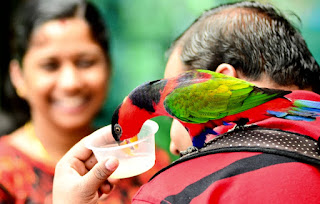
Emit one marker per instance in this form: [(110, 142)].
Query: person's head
[(247, 40), (60, 60)]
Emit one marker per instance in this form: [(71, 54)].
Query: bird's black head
[(116, 128)]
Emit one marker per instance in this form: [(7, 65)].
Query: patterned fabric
[(24, 180), (241, 176)]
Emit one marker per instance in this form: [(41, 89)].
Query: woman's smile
[(70, 105)]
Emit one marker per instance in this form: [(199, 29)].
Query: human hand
[(79, 178)]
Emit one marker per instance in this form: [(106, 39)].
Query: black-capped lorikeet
[(202, 100)]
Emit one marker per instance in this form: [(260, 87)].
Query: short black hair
[(255, 39), (33, 13)]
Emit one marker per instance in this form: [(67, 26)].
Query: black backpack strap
[(252, 138), (256, 139)]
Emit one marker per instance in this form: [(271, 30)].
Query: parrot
[(202, 100)]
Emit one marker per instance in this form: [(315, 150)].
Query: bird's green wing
[(198, 101)]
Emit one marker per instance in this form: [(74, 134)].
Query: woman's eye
[(85, 63), (50, 66)]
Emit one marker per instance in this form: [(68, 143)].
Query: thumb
[(100, 173)]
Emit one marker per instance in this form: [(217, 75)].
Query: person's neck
[(57, 141)]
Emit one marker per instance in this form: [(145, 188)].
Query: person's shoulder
[(20, 174), (203, 177), (12, 164), (11, 158), (304, 95), (194, 172), (5, 147)]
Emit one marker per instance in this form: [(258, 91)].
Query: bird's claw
[(189, 150)]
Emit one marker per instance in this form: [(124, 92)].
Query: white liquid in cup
[(134, 158), (136, 165)]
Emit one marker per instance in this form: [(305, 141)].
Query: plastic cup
[(134, 158)]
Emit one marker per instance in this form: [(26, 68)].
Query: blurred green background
[(141, 32)]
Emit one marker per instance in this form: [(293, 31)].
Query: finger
[(90, 162), (100, 173), (80, 151), (105, 188), (103, 198), (108, 185), (113, 181)]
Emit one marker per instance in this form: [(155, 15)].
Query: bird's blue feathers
[(294, 117), (277, 114), (225, 123), (307, 103), (199, 140), (304, 110)]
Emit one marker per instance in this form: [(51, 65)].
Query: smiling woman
[(64, 74), (61, 69)]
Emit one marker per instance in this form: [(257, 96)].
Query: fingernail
[(112, 164)]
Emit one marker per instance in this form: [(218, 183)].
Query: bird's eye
[(117, 129)]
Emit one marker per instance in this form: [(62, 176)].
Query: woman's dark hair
[(30, 14), (34, 13), (255, 39)]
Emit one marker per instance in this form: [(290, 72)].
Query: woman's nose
[(70, 78)]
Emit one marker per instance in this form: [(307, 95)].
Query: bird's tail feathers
[(305, 110)]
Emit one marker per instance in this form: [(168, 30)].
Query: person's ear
[(17, 79), (227, 69)]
